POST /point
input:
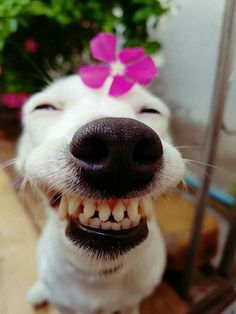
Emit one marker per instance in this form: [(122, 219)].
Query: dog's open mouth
[(107, 227)]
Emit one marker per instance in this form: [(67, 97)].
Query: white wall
[(191, 39)]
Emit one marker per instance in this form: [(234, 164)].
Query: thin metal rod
[(225, 267), (212, 135), (204, 305)]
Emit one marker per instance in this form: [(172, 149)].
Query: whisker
[(8, 163), (186, 186), (197, 162), (188, 147), (201, 172), (42, 75)]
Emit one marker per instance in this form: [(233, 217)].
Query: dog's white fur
[(68, 276)]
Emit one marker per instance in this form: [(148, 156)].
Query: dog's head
[(99, 161)]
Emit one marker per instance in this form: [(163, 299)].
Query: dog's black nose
[(116, 156)]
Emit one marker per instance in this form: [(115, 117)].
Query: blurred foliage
[(38, 35)]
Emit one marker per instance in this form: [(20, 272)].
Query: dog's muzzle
[(117, 159), (116, 156)]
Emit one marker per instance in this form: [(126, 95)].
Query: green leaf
[(142, 14), (152, 47), (1, 44), (36, 8), (13, 24)]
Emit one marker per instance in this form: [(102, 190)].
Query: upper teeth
[(107, 215), (119, 211), (132, 209), (63, 208), (104, 211), (89, 208), (73, 205)]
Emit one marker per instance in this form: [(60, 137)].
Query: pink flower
[(31, 45), (127, 67), (13, 100)]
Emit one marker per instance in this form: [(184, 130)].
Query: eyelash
[(149, 110), (52, 107), (45, 107)]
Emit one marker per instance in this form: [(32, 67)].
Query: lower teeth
[(108, 225)]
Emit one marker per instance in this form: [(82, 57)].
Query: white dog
[(99, 163)]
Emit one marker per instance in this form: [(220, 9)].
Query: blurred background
[(43, 40)]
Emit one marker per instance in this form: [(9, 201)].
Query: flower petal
[(94, 75), (127, 55), (14, 100), (143, 71), (103, 47), (120, 86)]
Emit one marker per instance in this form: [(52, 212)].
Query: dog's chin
[(107, 244), (105, 229)]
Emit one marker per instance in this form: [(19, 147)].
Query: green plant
[(39, 35)]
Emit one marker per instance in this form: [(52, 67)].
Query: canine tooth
[(62, 212), (146, 206), (104, 211), (78, 211), (132, 209), (136, 221), (115, 226), (83, 219), (118, 211), (106, 225), (89, 208), (126, 223), (95, 222), (73, 205)]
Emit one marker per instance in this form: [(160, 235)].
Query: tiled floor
[(17, 252)]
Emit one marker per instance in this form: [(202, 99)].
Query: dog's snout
[(116, 156)]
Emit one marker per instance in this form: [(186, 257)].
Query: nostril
[(147, 151), (91, 150)]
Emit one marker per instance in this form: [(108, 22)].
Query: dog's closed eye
[(149, 110), (46, 106)]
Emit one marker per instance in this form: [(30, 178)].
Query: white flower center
[(117, 68)]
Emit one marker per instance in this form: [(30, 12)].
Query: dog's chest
[(90, 294)]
